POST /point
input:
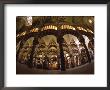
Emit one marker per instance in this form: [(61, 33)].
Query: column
[(60, 41), (30, 61), (21, 46), (87, 52)]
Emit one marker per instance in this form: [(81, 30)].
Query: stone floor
[(88, 68)]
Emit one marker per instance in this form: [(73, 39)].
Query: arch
[(47, 47), (53, 52), (52, 48), (18, 46), (86, 40), (25, 51), (72, 56)]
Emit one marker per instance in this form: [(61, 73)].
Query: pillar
[(60, 41), (21, 46), (87, 52), (30, 61)]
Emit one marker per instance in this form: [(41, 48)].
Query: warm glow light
[(34, 30), (89, 31), (67, 27), (28, 20), (49, 27), (67, 55), (40, 55), (55, 28), (73, 28), (90, 21), (23, 33), (79, 28), (84, 30), (18, 35)]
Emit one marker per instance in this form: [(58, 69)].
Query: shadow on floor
[(84, 69)]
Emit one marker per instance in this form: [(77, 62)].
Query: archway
[(25, 51), (71, 51), (46, 53)]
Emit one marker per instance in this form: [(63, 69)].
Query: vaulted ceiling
[(39, 21)]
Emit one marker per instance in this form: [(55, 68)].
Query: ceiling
[(39, 21)]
